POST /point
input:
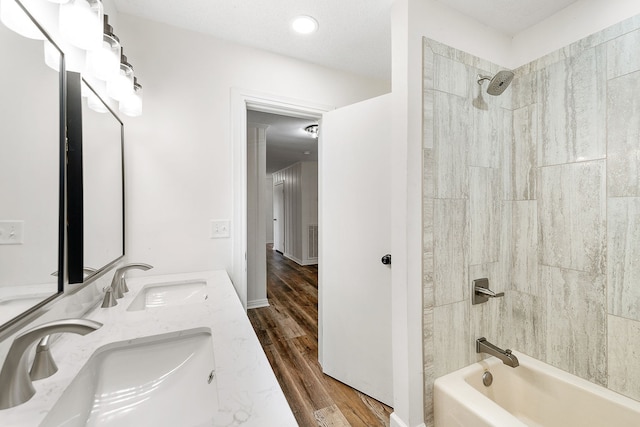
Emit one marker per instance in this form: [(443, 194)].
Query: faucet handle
[(481, 293), (43, 364), (109, 300), (488, 292)]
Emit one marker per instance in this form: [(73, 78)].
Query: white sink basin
[(162, 380), (12, 306), (170, 294)]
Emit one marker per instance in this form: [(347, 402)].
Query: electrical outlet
[(220, 229), (11, 232)]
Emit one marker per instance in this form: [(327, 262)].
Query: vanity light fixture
[(312, 130), (81, 23), (121, 84), (131, 105), (93, 101), (74, 57), (14, 17), (104, 63), (304, 24), (81, 30)]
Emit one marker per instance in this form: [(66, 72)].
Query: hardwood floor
[(288, 332)]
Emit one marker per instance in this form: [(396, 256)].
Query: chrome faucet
[(15, 384), (119, 284), (507, 357)]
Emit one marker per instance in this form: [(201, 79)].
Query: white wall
[(256, 228), (268, 213), (301, 208), (30, 171), (309, 207), (179, 166)]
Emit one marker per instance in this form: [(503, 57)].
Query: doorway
[(278, 217), (282, 166), (243, 100)]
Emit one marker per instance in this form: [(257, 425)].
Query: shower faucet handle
[(481, 292)]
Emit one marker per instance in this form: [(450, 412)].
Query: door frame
[(241, 101), (280, 224)]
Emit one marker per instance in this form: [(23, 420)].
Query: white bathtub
[(533, 394)]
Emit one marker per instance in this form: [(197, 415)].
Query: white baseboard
[(313, 261), (395, 421), (257, 303)]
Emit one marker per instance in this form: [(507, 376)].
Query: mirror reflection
[(29, 175), (102, 177)]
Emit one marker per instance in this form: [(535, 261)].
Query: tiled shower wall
[(539, 190)]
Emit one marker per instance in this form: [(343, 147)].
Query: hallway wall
[(300, 209)]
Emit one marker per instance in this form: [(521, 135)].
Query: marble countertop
[(249, 394)]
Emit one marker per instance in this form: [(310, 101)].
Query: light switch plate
[(220, 229), (11, 232)]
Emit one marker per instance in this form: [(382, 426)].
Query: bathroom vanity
[(225, 380)]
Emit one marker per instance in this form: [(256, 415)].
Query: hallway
[(288, 332)]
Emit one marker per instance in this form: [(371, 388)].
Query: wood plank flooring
[(288, 332)]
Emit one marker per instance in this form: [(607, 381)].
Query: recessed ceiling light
[(304, 25), (306, 153)]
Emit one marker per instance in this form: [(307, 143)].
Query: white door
[(355, 233), (278, 217)]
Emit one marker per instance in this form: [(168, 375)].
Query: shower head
[(498, 83)]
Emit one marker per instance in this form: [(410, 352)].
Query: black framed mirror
[(32, 129), (96, 181)]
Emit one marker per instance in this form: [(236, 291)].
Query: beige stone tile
[(450, 76), (576, 322), (526, 327), (524, 247), (622, 55), (624, 353), (623, 256), (451, 338), (623, 136), (572, 216), (451, 145), (484, 214), (572, 114), (524, 155), (450, 251)]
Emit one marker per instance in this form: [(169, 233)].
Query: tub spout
[(507, 357)]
